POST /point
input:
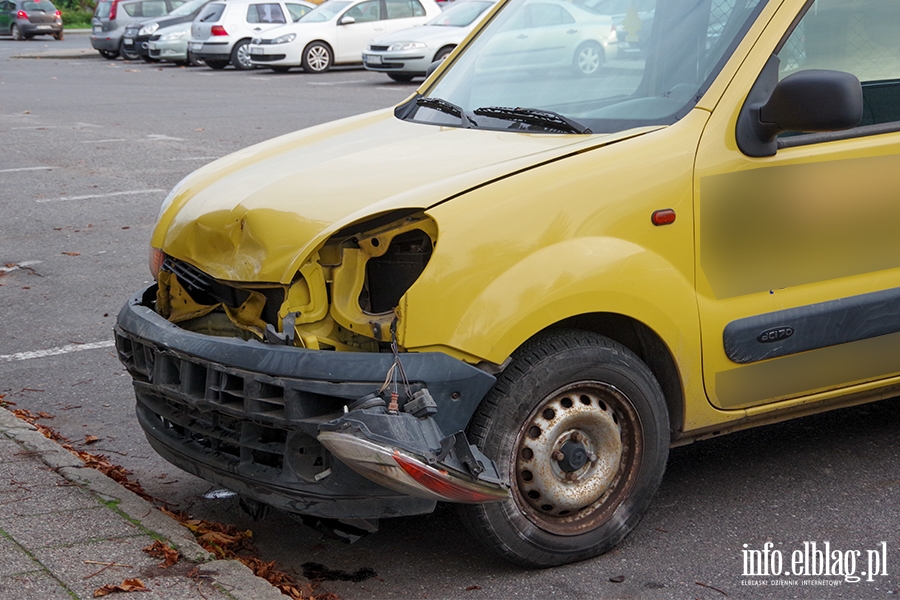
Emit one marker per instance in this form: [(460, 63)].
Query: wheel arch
[(647, 345), (448, 47)]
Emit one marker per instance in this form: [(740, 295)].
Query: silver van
[(112, 16)]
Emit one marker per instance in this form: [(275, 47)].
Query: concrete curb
[(70, 53), (233, 577)]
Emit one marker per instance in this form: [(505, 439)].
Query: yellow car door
[(798, 258)]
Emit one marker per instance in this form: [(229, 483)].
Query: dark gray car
[(24, 19)]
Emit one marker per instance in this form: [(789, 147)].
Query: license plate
[(152, 46), (43, 27), (372, 59), (129, 42), (256, 51), (195, 45), (98, 30)]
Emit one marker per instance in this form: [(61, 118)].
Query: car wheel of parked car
[(280, 69), (218, 65), (59, 36), (443, 53), (317, 58), (240, 56), (578, 426), (149, 59), (16, 33), (401, 77), (110, 54), (127, 54), (193, 61), (588, 58)]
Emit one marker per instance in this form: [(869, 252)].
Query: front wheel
[(127, 54), (317, 58), (577, 425), (240, 56), (588, 59), (401, 77)]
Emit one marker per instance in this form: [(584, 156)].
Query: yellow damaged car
[(588, 269)]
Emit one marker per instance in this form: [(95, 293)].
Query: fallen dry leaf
[(72, 253), (129, 585), (168, 554), (90, 439)]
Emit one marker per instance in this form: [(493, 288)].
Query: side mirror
[(347, 21), (807, 101)]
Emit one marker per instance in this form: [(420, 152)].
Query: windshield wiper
[(441, 105), (546, 119)]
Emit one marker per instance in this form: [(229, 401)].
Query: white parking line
[(157, 137), (56, 351), (27, 169), (103, 141), (92, 196)]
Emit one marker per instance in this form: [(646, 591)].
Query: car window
[(212, 13), (365, 12), (324, 11), (265, 13), (547, 15), (856, 37), (404, 9), (153, 8), (461, 14), (102, 10), (44, 6), (297, 10), (187, 8)]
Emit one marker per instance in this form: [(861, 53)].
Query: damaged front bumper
[(268, 421)]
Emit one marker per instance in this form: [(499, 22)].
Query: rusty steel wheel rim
[(576, 457)]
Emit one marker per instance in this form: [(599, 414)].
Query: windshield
[(324, 12), (460, 14), (187, 8), (554, 66)]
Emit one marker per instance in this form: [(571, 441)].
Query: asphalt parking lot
[(90, 147)]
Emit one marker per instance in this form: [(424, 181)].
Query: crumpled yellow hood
[(255, 215)]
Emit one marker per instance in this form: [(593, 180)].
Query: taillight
[(157, 257), (218, 30), (21, 15), (58, 14), (112, 10)]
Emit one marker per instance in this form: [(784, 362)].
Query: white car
[(336, 33), (222, 31), (548, 35), (408, 53)]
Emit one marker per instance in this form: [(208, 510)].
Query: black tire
[(578, 427), (149, 59), (588, 59), (317, 57), (16, 33), (110, 54), (59, 36), (218, 65), (240, 56), (127, 54), (401, 77), (280, 69), (443, 53), (193, 61)]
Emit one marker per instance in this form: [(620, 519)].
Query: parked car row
[(400, 38)]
